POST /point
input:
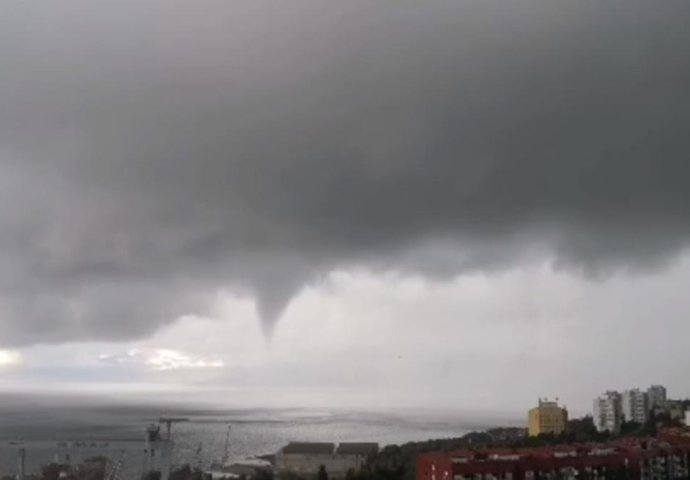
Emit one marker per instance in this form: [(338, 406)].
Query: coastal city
[(634, 434), (344, 239)]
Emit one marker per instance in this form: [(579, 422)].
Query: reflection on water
[(76, 433)]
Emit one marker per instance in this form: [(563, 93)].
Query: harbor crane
[(115, 471), (168, 422)]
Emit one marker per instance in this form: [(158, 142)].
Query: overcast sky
[(467, 203)]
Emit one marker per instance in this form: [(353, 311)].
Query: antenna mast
[(226, 454), (21, 459)]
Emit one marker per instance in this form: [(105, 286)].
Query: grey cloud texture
[(152, 152)]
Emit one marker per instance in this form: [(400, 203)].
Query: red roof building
[(646, 459)]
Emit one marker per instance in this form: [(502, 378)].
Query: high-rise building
[(656, 395), (635, 406), (607, 412), (547, 418)]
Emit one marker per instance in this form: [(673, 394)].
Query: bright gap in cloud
[(9, 358), (164, 359)]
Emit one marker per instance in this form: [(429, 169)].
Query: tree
[(264, 474), (288, 475), (186, 472)]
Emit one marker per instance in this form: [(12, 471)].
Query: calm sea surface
[(48, 432)]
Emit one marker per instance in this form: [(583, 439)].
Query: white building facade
[(306, 458), (635, 406), (607, 412)]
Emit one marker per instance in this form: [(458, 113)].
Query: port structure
[(168, 422)]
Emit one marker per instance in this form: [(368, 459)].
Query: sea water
[(75, 432)]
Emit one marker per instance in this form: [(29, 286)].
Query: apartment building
[(656, 395), (635, 406), (607, 414), (547, 418)]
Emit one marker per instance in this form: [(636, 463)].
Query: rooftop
[(640, 447), (309, 448), (350, 448)]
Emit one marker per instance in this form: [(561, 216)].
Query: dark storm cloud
[(153, 152)]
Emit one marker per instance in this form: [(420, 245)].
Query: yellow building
[(548, 418)]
